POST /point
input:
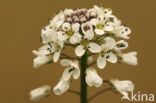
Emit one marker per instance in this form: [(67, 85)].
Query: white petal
[(56, 56), (124, 85), (109, 43), (93, 47), (41, 60), (89, 35), (94, 22), (75, 27), (75, 64), (67, 73), (109, 26), (101, 62), (93, 78), (121, 45), (76, 73), (59, 23), (61, 87), (40, 92), (80, 50), (111, 57), (65, 62), (62, 36), (99, 31), (46, 35), (61, 44), (129, 58), (76, 38), (88, 81), (66, 26), (54, 36), (99, 82), (86, 27)]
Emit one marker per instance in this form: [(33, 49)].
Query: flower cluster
[(91, 32)]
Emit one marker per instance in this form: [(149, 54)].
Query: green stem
[(83, 88)]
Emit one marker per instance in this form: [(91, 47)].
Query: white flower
[(57, 21), (129, 58), (47, 53), (106, 53), (105, 12), (61, 87), (40, 92), (49, 32), (86, 44), (71, 31), (101, 25), (123, 87), (120, 45), (85, 41), (92, 78), (72, 69), (120, 30), (41, 60), (87, 29), (46, 34)]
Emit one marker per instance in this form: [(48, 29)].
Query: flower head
[(89, 32)]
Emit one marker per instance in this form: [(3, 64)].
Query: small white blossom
[(61, 87), (57, 21), (72, 69), (104, 11), (122, 87), (41, 60), (40, 92), (129, 58), (120, 30), (106, 53), (47, 53), (101, 26), (71, 31), (92, 78), (47, 34), (87, 29), (85, 42)]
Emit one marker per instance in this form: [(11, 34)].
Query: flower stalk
[(83, 84)]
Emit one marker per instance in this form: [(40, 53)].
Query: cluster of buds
[(92, 31), (79, 16)]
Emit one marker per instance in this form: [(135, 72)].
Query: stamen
[(107, 56), (108, 51), (50, 45), (70, 70)]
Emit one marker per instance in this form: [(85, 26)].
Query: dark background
[(21, 22)]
